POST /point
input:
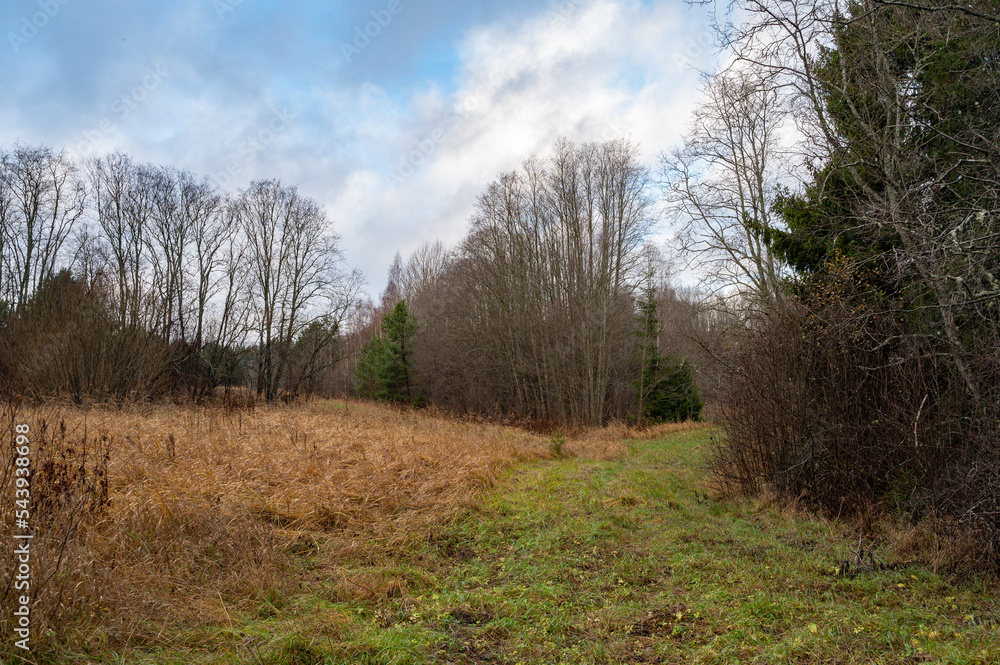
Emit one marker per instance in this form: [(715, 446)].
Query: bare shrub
[(834, 400), (65, 343)]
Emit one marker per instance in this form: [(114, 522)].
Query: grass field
[(208, 513), (613, 554)]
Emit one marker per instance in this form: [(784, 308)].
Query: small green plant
[(556, 444)]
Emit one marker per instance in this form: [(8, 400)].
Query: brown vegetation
[(161, 517), (534, 313), (834, 405)]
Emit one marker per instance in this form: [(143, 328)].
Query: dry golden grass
[(206, 506)]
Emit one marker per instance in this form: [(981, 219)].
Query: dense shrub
[(65, 342), (833, 399)]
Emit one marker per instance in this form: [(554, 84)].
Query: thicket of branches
[(872, 378), (122, 281), (535, 314)]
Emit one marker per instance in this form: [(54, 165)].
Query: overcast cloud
[(393, 115)]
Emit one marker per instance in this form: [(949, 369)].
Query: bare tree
[(168, 239), (292, 258), (423, 269), (541, 289), (226, 303), (41, 198), (203, 209), (124, 199), (720, 184)]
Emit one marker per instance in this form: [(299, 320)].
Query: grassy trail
[(577, 561)]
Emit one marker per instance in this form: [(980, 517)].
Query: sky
[(392, 114)]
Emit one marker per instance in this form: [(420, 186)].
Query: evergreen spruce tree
[(911, 96), (648, 348), (383, 370), (666, 386), (674, 397)]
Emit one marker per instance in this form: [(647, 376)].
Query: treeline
[(866, 376), (535, 313), (122, 281), (128, 281)]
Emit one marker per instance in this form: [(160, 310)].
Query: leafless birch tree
[(41, 198), (292, 260)]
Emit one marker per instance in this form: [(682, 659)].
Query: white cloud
[(596, 71), (589, 70)]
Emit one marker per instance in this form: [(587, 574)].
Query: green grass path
[(576, 561)]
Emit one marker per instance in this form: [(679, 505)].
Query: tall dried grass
[(204, 507)]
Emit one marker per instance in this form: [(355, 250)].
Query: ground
[(575, 560)]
